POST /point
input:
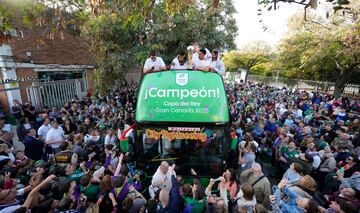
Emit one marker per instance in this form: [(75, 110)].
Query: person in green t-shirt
[(287, 152), (90, 190), (198, 199)]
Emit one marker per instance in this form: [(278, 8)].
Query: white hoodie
[(159, 177)]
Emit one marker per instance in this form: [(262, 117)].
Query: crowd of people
[(295, 152), (301, 147)]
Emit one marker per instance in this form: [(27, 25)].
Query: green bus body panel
[(182, 96)]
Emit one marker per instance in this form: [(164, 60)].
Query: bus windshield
[(201, 150)]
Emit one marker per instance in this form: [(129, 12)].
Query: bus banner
[(185, 129), (175, 135), (177, 96)]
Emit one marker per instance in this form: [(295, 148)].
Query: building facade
[(46, 72)]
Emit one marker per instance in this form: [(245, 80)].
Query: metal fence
[(351, 90), (55, 93)]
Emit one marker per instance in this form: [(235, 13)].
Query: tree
[(121, 33), (327, 51), (254, 57), (336, 5)]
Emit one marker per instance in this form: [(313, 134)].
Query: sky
[(250, 29)]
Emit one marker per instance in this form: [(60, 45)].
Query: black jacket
[(33, 148), (174, 202)]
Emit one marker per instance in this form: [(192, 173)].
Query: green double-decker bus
[(182, 116)]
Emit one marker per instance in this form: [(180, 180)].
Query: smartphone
[(30, 173)]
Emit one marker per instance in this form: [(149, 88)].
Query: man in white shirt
[(92, 136), (5, 127), (201, 64), (110, 137), (55, 137), (93, 105), (161, 178), (44, 129), (179, 63), (195, 56), (216, 65), (154, 63)]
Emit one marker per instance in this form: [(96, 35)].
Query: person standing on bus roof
[(197, 48), (216, 65), (202, 64), (180, 62), (154, 63)]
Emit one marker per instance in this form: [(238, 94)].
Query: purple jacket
[(121, 192)]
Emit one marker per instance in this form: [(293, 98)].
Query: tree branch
[(339, 67), (318, 23), (293, 1)]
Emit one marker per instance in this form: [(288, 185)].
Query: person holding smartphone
[(154, 63)]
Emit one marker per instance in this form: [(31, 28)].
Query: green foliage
[(255, 57), (323, 51), (335, 4), (121, 33), (15, 11), (264, 68), (310, 55)]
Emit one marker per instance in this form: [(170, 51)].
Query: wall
[(3, 99)]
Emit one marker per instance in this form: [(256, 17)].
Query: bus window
[(149, 145)]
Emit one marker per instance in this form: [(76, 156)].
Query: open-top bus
[(182, 117)]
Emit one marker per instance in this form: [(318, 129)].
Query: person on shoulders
[(154, 63), (201, 64), (216, 65), (180, 62)]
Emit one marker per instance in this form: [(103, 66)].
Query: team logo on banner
[(182, 79)]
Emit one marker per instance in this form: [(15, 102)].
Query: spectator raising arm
[(33, 192), (118, 168)]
